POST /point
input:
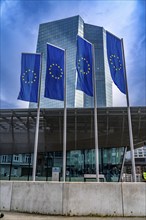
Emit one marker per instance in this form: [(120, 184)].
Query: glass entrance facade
[(17, 133), (79, 162)]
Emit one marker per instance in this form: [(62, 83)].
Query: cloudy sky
[(19, 31)]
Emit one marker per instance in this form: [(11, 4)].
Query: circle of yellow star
[(51, 71), (112, 58), (26, 79), (85, 61)]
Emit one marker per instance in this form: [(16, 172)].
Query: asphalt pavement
[(25, 216)]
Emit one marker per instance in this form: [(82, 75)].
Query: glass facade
[(79, 162), (17, 132), (62, 33)]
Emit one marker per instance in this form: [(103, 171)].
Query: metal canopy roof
[(17, 129)]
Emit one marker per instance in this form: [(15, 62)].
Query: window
[(27, 159), (16, 158), (4, 158)]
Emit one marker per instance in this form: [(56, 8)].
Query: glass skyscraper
[(62, 33)]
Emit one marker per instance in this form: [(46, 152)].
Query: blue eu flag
[(29, 79), (114, 53), (84, 66), (54, 84)]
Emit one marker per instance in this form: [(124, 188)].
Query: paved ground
[(23, 216)]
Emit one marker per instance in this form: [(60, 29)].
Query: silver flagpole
[(95, 116), (129, 118), (65, 120), (37, 126)]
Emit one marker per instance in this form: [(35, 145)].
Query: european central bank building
[(63, 33), (18, 126)]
